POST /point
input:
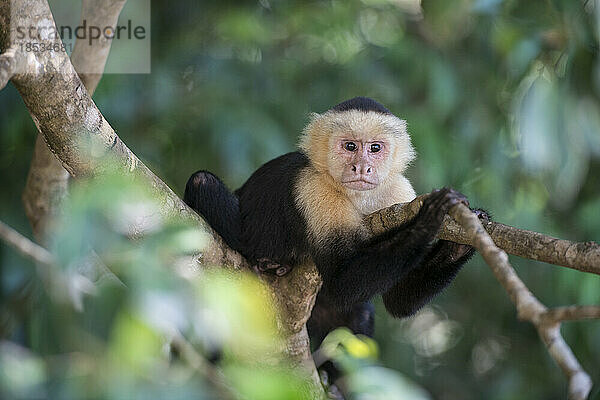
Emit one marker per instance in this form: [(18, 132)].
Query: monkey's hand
[(457, 251), (266, 265), (436, 206)]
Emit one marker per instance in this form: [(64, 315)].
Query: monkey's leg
[(206, 194), (325, 318), (435, 272), (381, 262)]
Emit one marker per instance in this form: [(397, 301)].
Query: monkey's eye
[(350, 146), (375, 147)]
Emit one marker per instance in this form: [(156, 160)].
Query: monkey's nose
[(361, 169)]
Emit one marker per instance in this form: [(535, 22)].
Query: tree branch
[(570, 313), (529, 308), (25, 246), (47, 181), (196, 361), (527, 244), (89, 59), (10, 62), (81, 139)]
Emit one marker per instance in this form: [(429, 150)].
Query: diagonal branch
[(25, 246), (81, 138), (47, 180), (529, 308), (200, 364)]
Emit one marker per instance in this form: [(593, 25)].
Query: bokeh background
[(502, 100)]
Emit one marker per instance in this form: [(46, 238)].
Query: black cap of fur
[(361, 104)]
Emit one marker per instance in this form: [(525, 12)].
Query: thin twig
[(571, 313), (25, 246), (529, 308), (206, 369)]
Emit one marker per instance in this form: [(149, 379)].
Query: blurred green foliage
[(502, 101), (145, 321)]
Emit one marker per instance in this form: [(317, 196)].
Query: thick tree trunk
[(48, 182), (85, 143)]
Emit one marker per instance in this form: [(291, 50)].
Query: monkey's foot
[(266, 265)]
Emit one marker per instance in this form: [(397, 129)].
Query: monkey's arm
[(381, 262), (421, 284), (434, 273)]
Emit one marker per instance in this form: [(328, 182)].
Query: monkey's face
[(361, 162), (359, 150)]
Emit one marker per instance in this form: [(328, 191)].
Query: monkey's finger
[(482, 214), (463, 199), (283, 270)]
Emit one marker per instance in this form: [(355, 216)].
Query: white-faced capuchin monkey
[(310, 204)]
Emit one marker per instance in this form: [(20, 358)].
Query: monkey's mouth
[(360, 184)]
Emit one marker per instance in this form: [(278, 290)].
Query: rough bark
[(11, 61), (519, 242), (80, 137), (47, 181)]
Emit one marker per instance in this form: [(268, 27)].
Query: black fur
[(429, 278), (272, 227), (355, 272), (361, 104), (206, 194), (404, 264), (326, 317), (261, 221)]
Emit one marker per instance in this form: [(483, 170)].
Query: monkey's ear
[(315, 127), (313, 118), (314, 141)]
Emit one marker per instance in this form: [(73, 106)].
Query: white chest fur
[(329, 208)]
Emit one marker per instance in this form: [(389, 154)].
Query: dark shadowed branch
[(196, 361)]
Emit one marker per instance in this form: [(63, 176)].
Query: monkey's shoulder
[(271, 225), (273, 181)]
